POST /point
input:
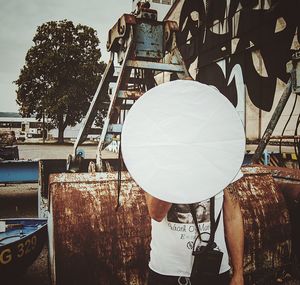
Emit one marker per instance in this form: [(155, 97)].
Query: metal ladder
[(146, 49)]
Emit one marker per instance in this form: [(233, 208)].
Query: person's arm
[(157, 208), (234, 233)]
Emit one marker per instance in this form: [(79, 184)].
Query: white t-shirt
[(173, 238)]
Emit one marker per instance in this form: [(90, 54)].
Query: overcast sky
[(19, 20)]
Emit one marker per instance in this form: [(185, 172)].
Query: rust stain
[(94, 244), (266, 221)]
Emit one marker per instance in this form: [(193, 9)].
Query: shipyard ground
[(20, 200)]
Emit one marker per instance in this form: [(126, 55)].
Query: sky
[(19, 20)]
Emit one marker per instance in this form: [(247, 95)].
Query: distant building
[(30, 128), (23, 127)]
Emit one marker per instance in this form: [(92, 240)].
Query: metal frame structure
[(144, 48), (293, 85)]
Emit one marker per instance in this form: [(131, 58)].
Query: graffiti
[(226, 41)]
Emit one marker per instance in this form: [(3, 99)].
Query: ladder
[(146, 50)]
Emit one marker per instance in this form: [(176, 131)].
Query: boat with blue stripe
[(21, 241)]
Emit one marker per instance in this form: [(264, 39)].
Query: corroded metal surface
[(91, 242), (288, 181), (285, 173), (266, 222)]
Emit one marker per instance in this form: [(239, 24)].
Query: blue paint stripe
[(19, 171)]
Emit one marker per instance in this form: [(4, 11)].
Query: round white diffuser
[(183, 142)]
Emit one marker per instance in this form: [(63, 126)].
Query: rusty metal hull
[(266, 224), (91, 243)]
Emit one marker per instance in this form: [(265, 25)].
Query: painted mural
[(247, 42)]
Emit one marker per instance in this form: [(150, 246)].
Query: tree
[(60, 75)]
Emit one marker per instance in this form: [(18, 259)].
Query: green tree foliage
[(61, 74)]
